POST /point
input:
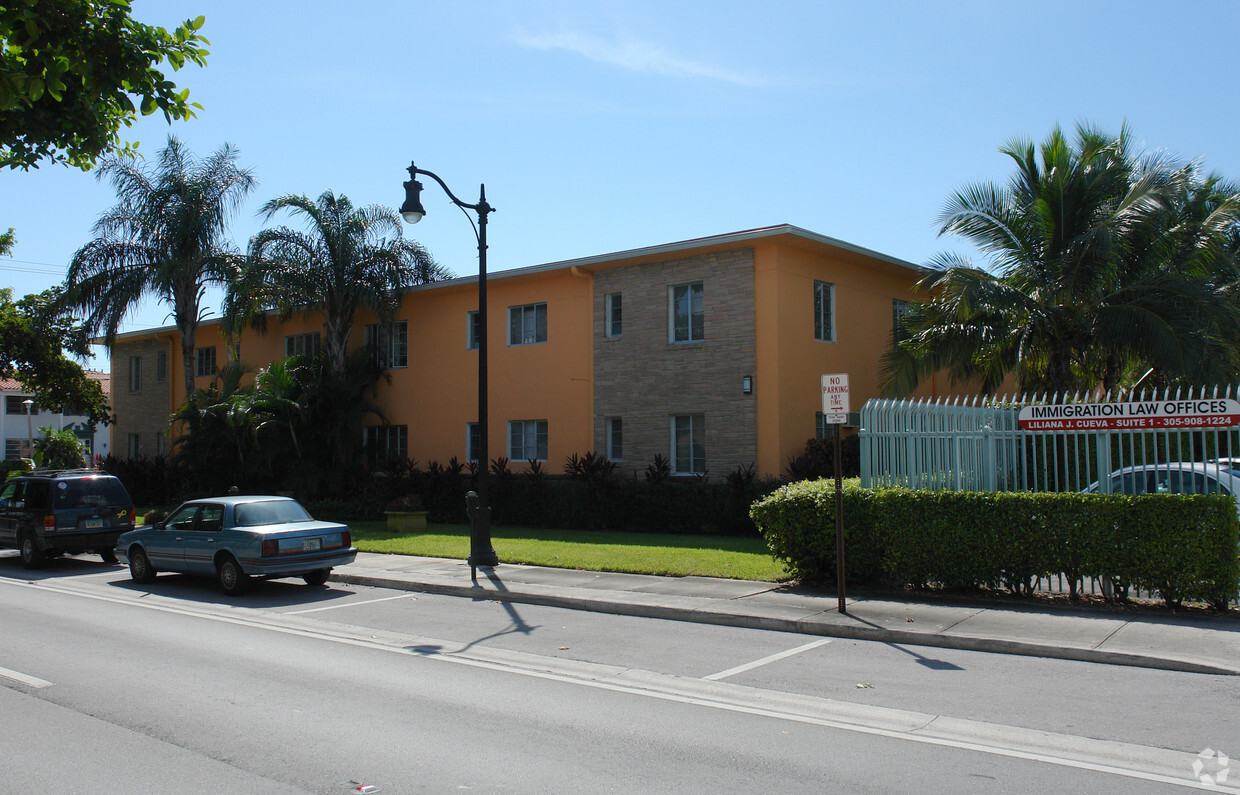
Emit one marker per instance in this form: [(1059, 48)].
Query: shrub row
[(1182, 547)]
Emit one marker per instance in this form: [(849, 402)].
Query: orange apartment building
[(707, 351)]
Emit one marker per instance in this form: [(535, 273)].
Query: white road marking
[(346, 604), (740, 669), (25, 679), (1129, 760)]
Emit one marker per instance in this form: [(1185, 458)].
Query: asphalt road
[(106, 686)]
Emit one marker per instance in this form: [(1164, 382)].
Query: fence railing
[(977, 443)]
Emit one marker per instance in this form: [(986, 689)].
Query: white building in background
[(17, 428)]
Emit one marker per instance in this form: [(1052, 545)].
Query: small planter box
[(406, 521)]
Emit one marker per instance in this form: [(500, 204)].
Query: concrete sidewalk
[(1199, 644)]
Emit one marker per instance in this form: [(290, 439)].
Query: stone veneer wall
[(145, 412), (645, 381)]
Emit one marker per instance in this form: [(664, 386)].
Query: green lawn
[(639, 553)]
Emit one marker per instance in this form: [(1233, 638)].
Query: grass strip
[(634, 553)]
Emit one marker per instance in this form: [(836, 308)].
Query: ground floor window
[(527, 440), (16, 448), (615, 438), (386, 442), (689, 444), (134, 445), (473, 441)]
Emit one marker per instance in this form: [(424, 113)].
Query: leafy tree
[(7, 241), (73, 72), (59, 450), (165, 238), (346, 259), (1099, 260), (36, 343)]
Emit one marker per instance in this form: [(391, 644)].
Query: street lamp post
[(481, 553), (29, 404)]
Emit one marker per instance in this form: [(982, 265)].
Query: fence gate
[(1068, 442)]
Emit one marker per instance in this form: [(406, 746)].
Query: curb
[(799, 626)]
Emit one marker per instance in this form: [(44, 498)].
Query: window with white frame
[(527, 325), (527, 440), (385, 442), (302, 345), (135, 373), (899, 314), (689, 444), (161, 366), (134, 445), (16, 448), (204, 361), (473, 330), (390, 343), (473, 441), (613, 315), (16, 404), (824, 312), (615, 438), (686, 316)]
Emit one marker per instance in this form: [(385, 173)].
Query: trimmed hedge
[(1183, 547)]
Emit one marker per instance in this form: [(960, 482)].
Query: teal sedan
[(237, 540)]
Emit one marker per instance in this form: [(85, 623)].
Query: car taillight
[(132, 517), (344, 537), (49, 522), (271, 547)]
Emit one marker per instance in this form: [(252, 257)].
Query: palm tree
[(346, 259), (1085, 280), (164, 239)]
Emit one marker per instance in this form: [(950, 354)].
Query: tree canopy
[(74, 72), (1102, 263), (34, 339)]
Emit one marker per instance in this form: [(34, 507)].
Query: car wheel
[(32, 556), (317, 577), (232, 579), (108, 555), (140, 568)]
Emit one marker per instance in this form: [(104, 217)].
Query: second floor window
[(135, 373), (527, 325), (613, 315), (899, 312), (204, 361), (686, 313), (161, 366), (390, 343), (302, 345), (824, 312), (16, 404)]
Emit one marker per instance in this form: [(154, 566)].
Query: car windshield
[(252, 514), (90, 493)]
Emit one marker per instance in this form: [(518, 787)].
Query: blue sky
[(599, 127)]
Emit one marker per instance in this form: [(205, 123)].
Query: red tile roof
[(104, 379)]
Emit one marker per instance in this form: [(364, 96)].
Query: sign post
[(835, 413)]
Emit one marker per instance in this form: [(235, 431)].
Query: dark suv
[(48, 513)]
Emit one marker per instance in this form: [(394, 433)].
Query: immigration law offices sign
[(1201, 413)]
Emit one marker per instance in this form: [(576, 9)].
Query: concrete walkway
[(1193, 643)]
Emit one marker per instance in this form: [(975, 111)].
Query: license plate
[(93, 524), (311, 544)]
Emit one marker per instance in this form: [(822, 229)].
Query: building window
[(473, 331), (527, 325), (161, 444), (204, 361), (824, 312), (689, 444), (16, 404), (16, 448), (390, 343), (615, 439), (134, 445), (302, 345), (386, 442), (613, 315), (820, 425), (685, 313), (527, 440), (899, 316), (161, 366), (135, 373), (473, 441)]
